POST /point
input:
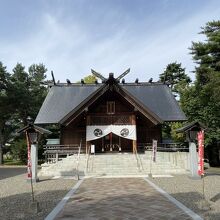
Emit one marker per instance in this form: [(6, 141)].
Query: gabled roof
[(62, 100), (158, 98), (192, 125), (32, 127)]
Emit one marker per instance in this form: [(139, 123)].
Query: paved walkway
[(119, 198)]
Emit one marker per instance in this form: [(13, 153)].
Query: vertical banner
[(29, 174), (201, 153), (154, 150)]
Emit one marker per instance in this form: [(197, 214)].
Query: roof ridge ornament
[(123, 74), (98, 75), (111, 75)]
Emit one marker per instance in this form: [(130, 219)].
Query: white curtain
[(96, 132)]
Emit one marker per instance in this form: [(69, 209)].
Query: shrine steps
[(111, 165)]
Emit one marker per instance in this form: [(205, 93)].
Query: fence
[(175, 153), (54, 152)]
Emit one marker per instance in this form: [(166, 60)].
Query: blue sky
[(72, 36)]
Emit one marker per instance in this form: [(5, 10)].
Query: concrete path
[(119, 198)]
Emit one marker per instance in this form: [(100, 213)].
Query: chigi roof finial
[(98, 75), (111, 75)]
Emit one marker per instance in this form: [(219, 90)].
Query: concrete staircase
[(127, 164), (111, 165), (161, 166), (65, 167)]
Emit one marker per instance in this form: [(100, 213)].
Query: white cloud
[(70, 49)]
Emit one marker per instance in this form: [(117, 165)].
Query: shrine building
[(113, 116)]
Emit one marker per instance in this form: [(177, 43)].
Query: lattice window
[(111, 107), (110, 119)]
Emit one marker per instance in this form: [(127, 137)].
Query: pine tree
[(175, 76), (202, 100), (5, 108)]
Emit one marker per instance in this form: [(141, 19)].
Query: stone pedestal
[(193, 160), (34, 162), (34, 207)]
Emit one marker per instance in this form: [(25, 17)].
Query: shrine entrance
[(112, 143), (111, 138)]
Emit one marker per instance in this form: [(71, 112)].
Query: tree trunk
[(1, 150), (1, 156)]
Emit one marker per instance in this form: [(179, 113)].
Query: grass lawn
[(12, 162)]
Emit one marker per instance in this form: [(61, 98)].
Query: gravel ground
[(15, 196), (190, 193)]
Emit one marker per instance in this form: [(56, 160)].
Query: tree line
[(22, 91), (21, 96), (200, 100)]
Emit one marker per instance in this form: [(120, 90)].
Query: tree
[(177, 137), (201, 101), (28, 91), (38, 92), (19, 150), (5, 108), (175, 76), (89, 79), (21, 95)]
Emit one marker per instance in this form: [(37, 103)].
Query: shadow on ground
[(7, 172), (195, 201), (17, 206), (213, 171)]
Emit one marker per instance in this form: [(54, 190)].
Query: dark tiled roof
[(192, 125), (159, 99), (31, 127), (61, 100)]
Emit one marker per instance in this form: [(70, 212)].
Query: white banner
[(96, 132), (154, 150)]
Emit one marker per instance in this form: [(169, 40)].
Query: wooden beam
[(134, 142), (123, 74), (53, 78)]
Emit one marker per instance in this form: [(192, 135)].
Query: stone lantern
[(191, 130), (33, 134)]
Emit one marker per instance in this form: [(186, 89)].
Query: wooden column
[(87, 142), (133, 122)]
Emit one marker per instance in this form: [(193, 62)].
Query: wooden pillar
[(103, 147), (88, 144), (88, 121), (133, 122)]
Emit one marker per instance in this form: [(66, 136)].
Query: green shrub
[(19, 150)]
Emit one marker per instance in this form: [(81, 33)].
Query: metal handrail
[(60, 146), (87, 158), (78, 158), (139, 162), (165, 146), (53, 151)]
